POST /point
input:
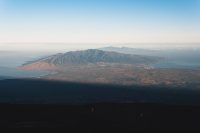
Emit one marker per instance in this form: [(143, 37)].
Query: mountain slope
[(90, 56)]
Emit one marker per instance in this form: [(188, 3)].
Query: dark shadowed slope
[(106, 118), (97, 108), (39, 91)]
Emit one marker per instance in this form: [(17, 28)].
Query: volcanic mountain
[(91, 56)]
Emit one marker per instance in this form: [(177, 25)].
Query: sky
[(117, 22)]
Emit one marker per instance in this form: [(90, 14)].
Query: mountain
[(105, 67), (91, 56)]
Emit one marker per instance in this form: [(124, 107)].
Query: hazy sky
[(99, 21)]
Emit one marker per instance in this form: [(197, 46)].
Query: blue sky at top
[(100, 21)]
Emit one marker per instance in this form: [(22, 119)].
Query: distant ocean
[(185, 59), (10, 60)]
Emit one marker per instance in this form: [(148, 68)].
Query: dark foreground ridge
[(19, 91), (99, 118), (97, 108)]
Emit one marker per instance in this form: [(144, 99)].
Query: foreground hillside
[(98, 108), (54, 92), (104, 117)]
